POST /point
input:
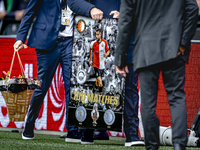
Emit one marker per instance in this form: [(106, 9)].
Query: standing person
[(163, 30), (110, 9), (18, 9), (51, 36), (99, 50), (11, 19), (3, 9)]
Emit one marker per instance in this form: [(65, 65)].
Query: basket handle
[(20, 63)]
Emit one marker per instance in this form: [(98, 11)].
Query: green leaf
[(7, 74)]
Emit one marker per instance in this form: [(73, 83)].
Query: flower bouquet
[(17, 92)]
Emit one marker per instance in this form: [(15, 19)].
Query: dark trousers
[(173, 72), (131, 121), (47, 62)]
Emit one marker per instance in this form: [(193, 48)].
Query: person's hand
[(181, 50), (115, 14), (19, 45), (2, 14), (104, 54), (96, 13), (122, 70), (19, 15), (91, 62)]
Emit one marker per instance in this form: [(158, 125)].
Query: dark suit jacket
[(77, 6), (46, 26), (160, 27), (104, 5)]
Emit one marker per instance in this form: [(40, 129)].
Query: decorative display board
[(97, 90)]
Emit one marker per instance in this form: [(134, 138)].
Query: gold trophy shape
[(95, 113)]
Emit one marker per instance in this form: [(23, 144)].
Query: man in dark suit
[(163, 30), (52, 37)]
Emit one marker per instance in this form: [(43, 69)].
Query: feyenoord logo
[(81, 113), (81, 26)]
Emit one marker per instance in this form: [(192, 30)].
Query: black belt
[(62, 39)]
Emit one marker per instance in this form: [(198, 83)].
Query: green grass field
[(13, 141)]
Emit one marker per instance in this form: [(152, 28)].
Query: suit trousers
[(131, 120), (173, 73), (47, 61)]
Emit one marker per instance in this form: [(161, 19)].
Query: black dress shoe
[(100, 135), (63, 136), (179, 147)]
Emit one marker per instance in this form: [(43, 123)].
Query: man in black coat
[(163, 30)]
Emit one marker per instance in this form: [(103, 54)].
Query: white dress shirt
[(68, 31)]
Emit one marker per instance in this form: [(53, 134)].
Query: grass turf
[(13, 141)]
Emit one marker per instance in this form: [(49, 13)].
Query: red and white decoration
[(52, 113)]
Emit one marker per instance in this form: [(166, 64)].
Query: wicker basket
[(17, 93), (17, 104)]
